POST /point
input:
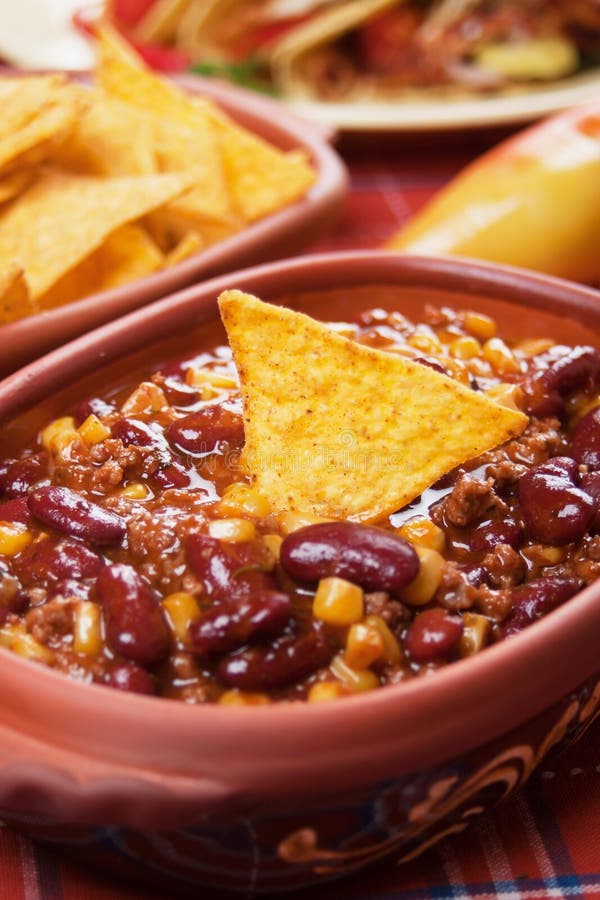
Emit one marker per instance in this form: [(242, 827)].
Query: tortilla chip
[(127, 254), (62, 218), (179, 147), (37, 114), (110, 138), (260, 178), (337, 429), (122, 74), (15, 182), (189, 244), (15, 299)]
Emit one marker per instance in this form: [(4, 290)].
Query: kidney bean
[(371, 557), (49, 560), (286, 661), (129, 677), (15, 510), (134, 621), (93, 405), (229, 626), (555, 510), (199, 433), (585, 440), (5, 465), (475, 575), (70, 512), (533, 600), (590, 483), (23, 474), (431, 363), (138, 433), (71, 587), (433, 635), (228, 571), (172, 475), (565, 370), (502, 531), (180, 394)]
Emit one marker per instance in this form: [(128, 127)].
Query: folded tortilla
[(289, 54), (299, 59), (206, 29)]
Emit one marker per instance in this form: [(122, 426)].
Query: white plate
[(425, 113)]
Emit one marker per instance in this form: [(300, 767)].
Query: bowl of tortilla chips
[(115, 192), (272, 796)]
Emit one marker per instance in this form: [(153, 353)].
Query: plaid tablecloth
[(544, 843)]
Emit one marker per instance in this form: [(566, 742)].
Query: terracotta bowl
[(267, 799), (280, 234)]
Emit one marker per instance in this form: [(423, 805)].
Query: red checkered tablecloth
[(543, 843)]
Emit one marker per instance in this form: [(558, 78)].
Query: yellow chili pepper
[(532, 201)]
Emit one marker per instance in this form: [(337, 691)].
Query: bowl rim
[(268, 119), (456, 701)]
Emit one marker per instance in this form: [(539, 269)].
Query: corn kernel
[(534, 346), (500, 357), (457, 369), (364, 646), (233, 531), (422, 588), (465, 347), (325, 691), (87, 633), (243, 698), (182, 609), (548, 555), (509, 395), (200, 378), (476, 633), (14, 537), (273, 543), (59, 434), (391, 648), (92, 430), (242, 499), (27, 646), (134, 491), (291, 521), (357, 682), (479, 325), (424, 533), (9, 633), (426, 343), (147, 398), (338, 602), (580, 405)]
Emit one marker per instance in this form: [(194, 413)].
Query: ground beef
[(469, 501), (454, 591), (53, 621), (505, 566), (540, 441), (391, 611)]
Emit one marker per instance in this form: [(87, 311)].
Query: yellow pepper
[(532, 201)]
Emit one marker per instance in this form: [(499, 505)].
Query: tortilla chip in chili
[(338, 429)]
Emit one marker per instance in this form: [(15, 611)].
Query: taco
[(376, 49), (234, 33)]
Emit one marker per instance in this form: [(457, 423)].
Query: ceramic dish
[(447, 113), (266, 799), (279, 234)]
